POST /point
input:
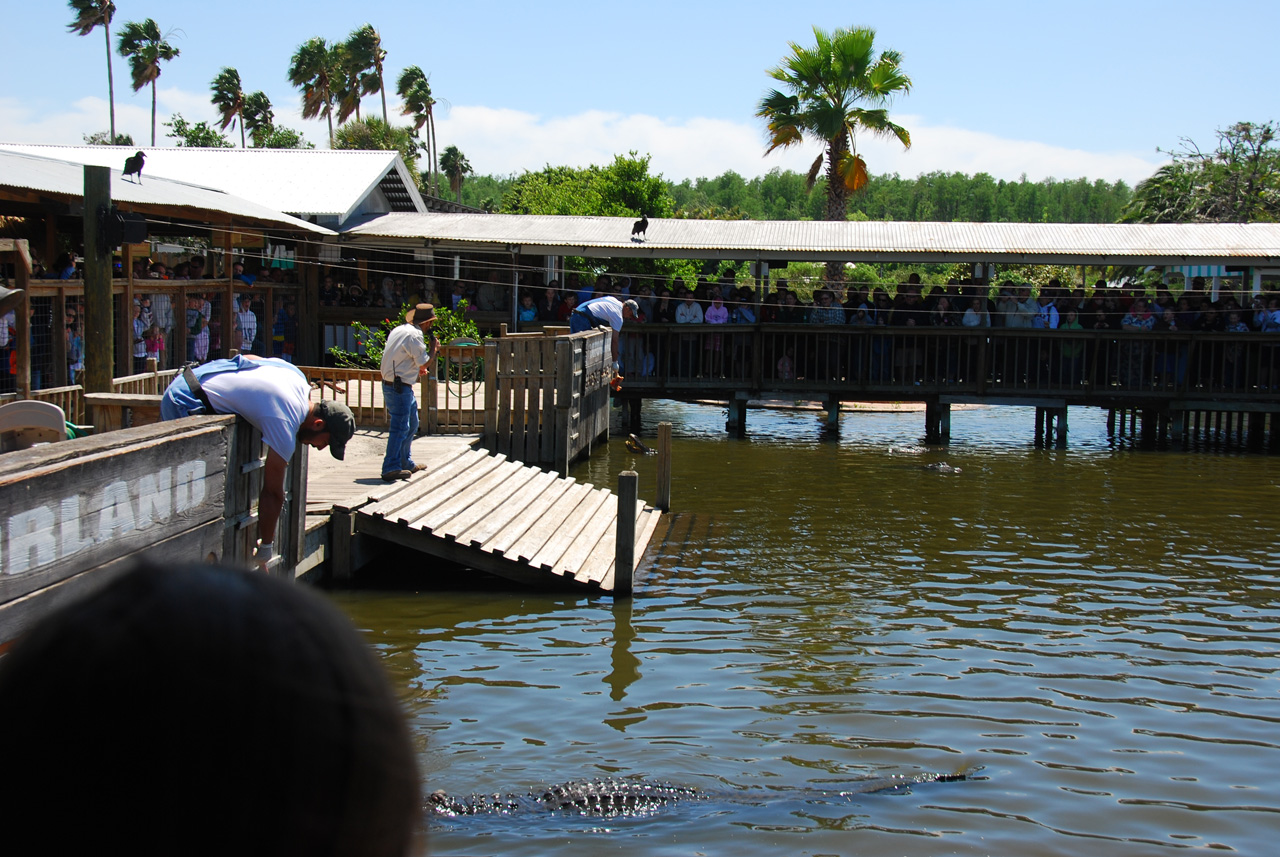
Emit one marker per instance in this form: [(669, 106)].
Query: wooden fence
[(76, 513), (454, 394), (547, 397), (71, 399)]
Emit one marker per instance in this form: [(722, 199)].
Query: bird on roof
[(133, 166), (640, 227)]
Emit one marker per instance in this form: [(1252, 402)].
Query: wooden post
[(1062, 427), (624, 565), (58, 332), (341, 531), (1040, 429), (98, 333), (664, 467), (295, 522)]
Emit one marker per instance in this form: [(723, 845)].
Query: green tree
[(372, 133), (279, 137), (199, 135), (1238, 181), (100, 138), (832, 90), (257, 117), (364, 55), (89, 15), (456, 167), (450, 324), (146, 47), (229, 98), (316, 69), (414, 89)]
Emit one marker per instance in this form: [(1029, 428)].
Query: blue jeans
[(402, 414)]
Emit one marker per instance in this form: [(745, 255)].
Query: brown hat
[(420, 313)]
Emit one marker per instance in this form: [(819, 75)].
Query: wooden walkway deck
[(482, 511)]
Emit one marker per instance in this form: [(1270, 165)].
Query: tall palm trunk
[(382, 90), (434, 154), (111, 84), (153, 114), (837, 198)]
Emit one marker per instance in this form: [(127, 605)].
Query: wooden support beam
[(624, 565), (99, 325), (663, 501)]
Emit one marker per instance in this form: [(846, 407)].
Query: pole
[(624, 565), (98, 332), (664, 467)]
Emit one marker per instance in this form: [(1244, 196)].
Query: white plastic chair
[(26, 422)]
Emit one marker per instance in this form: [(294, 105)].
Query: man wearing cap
[(404, 357), (276, 398), (607, 311)]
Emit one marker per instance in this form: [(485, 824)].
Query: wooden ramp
[(523, 523)]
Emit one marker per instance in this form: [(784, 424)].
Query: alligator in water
[(611, 798)]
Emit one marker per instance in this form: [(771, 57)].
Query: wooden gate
[(547, 397)]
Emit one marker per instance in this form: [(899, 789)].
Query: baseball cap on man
[(340, 423)]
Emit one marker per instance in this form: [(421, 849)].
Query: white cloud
[(503, 141), (507, 141)]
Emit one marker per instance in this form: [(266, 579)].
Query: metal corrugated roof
[(303, 182), (63, 178), (790, 240)]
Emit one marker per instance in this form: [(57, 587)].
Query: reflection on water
[(1099, 629)]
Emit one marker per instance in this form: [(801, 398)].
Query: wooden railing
[(909, 362), (454, 398), (358, 389), (547, 397), (71, 398)]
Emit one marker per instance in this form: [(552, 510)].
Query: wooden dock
[(486, 512)]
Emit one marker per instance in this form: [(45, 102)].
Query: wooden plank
[(547, 436), (558, 539), (546, 544), (539, 492), (401, 494), (485, 506), (546, 517), (87, 511), (192, 546), (591, 533), (468, 496), (434, 495)]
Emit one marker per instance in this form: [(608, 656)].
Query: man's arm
[(271, 498)]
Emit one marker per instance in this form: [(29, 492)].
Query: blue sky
[(1064, 90)]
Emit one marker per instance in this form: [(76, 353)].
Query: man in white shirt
[(276, 398), (403, 358), (601, 312)]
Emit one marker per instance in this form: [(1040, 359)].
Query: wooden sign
[(70, 507)]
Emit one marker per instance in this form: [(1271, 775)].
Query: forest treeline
[(938, 196)]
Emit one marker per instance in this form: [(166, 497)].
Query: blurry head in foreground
[(203, 711)]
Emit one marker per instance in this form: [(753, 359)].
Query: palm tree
[(414, 89), (89, 14), (456, 166), (258, 117), (228, 97), (146, 47), (833, 89), (315, 69), (365, 57)]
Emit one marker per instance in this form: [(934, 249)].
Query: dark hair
[(201, 710)]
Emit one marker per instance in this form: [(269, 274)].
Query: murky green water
[(1099, 629)]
